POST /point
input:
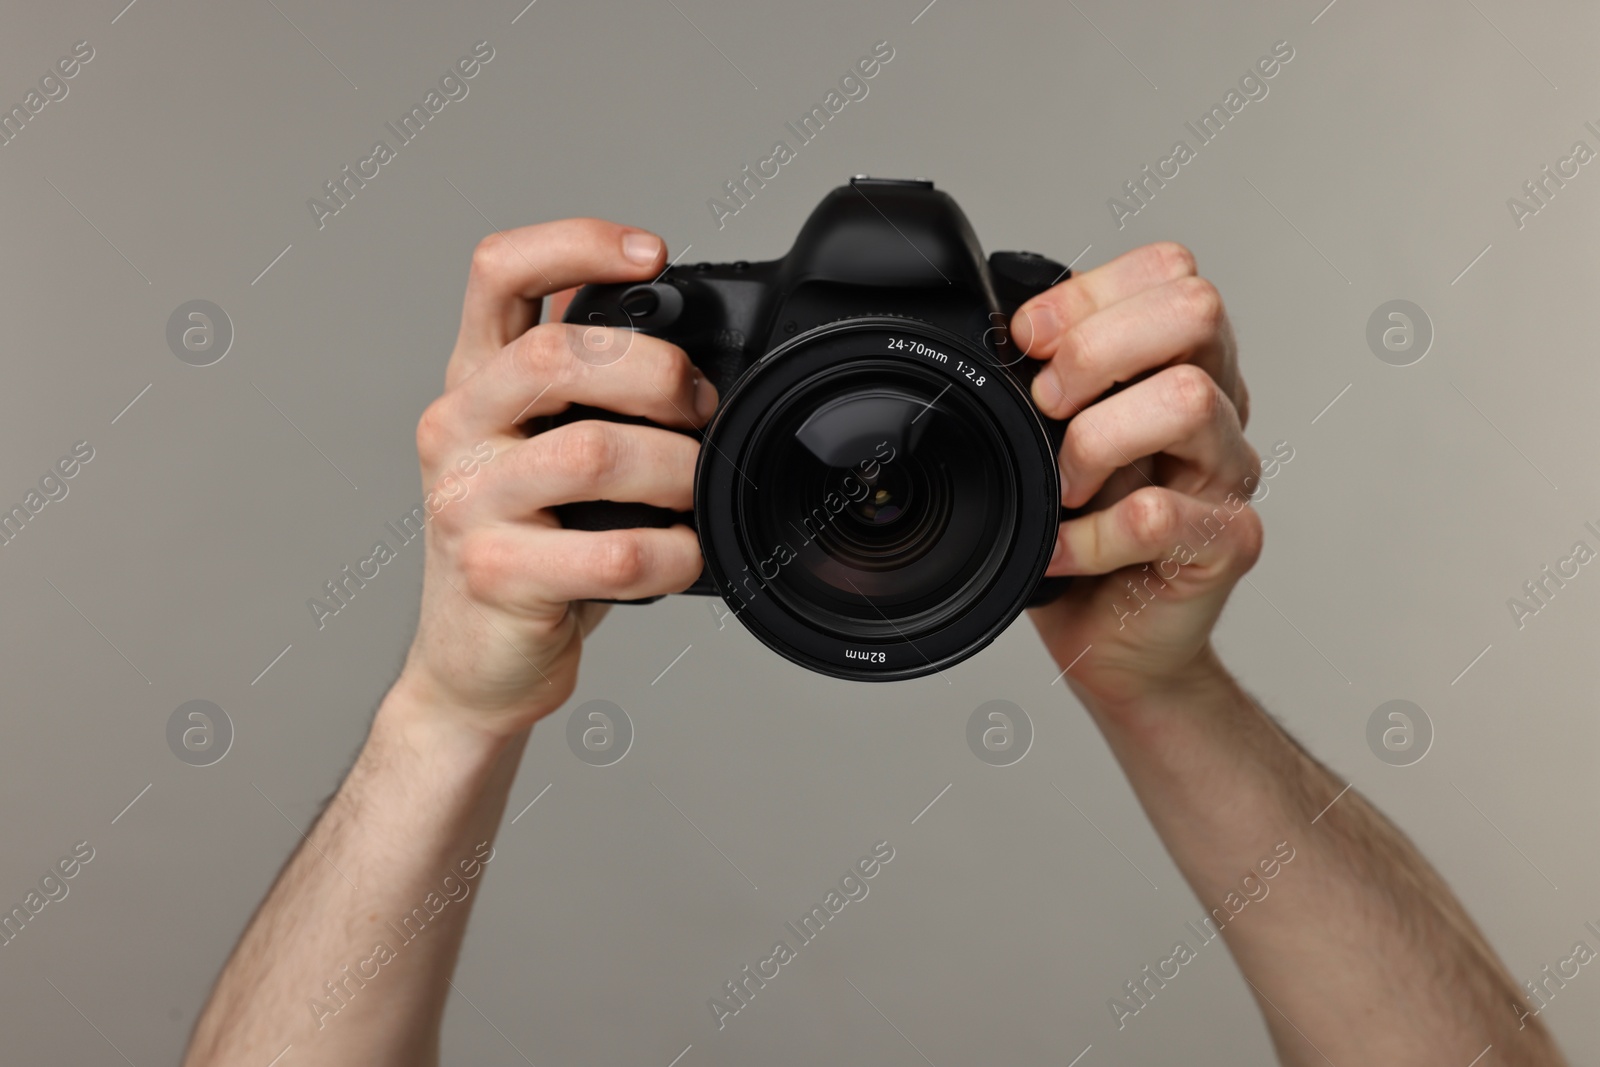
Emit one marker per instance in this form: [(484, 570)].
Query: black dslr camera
[(877, 496)]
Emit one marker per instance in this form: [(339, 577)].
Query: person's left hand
[(1162, 464)]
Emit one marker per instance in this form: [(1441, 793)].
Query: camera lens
[(881, 499), (876, 498), (889, 496)]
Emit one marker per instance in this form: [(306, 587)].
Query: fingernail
[(705, 397), (642, 248), (1047, 394), (1036, 326)]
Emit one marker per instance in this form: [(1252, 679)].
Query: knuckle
[(432, 433), (1192, 393), (669, 373), (1150, 515), (1249, 538), (443, 496), (591, 345), (484, 565), (1084, 446), (489, 256), (619, 559), (1174, 260), (537, 350), (1199, 303), (587, 450), (1252, 465)]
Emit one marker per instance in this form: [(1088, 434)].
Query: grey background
[(1414, 506)]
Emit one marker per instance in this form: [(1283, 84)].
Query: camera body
[(876, 497)]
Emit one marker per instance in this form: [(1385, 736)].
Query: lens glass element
[(880, 500)]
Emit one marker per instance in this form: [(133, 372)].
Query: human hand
[(505, 587), (1163, 464)]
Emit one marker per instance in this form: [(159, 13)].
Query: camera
[(876, 496)]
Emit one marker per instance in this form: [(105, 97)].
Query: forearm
[(349, 957), (1356, 950)]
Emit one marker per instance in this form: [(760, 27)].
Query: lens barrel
[(877, 499)]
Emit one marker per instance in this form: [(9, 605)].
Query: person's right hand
[(504, 588)]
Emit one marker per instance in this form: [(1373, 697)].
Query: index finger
[(1041, 321), (513, 270)]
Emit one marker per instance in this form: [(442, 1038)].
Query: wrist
[(480, 696), (1135, 700), (1127, 692), (419, 718)]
